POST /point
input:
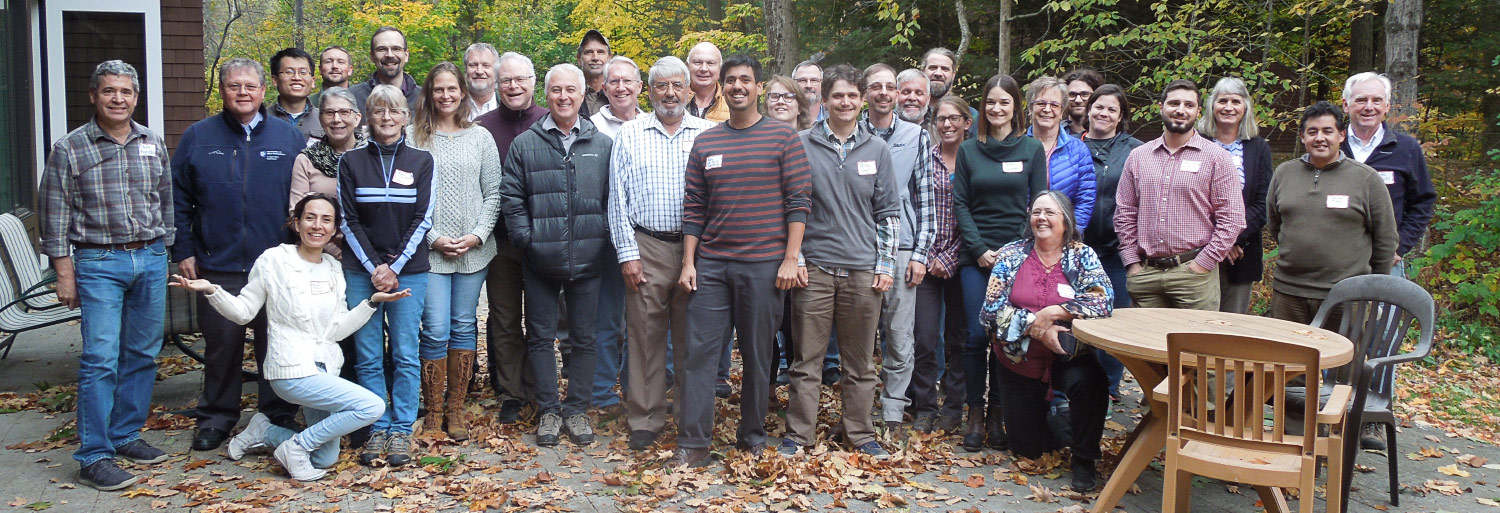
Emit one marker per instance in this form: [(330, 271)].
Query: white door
[(92, 29)]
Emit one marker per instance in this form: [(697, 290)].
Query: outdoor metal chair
[(26, 263), (28, 303)]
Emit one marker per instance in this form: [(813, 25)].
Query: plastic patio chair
[(26, 263)]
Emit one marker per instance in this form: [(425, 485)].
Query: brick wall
[(182, 66)]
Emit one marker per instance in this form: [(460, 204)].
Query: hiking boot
[(994, 424), (924, 422), (374, 448), (252, 437), (874, 450), (104, 475), (691, 458), (460, 371), (548, 428), (140, 452), (297, 461), (1085, 475), (641, 439), (580, 429), (510, 412), (789, 448), (398, 449), (1372, 437), (974, 430), (947, 423), (722, 388)]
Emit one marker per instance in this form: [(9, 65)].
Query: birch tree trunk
[(1002, 45), (1403, 24), (963, 29)]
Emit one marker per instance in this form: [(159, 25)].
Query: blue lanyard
[(384, 171)]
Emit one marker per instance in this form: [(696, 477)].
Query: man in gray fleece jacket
[(1331, 217), (850, 255)]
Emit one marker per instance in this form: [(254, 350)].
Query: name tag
[(321, 287), (866, 167), (714, 162), (1239, 162), (1065, 290), (687, 145), (148, 150), (402, 177), (1389, 177), (1338, 201), (1191, 166), (1012, 167)]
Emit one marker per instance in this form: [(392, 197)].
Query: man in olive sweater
[(1331, 217)]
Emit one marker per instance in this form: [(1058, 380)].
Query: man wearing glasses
[(809, 77), (291, 71), (388, 53), (230, 177), (622, 85), (647, 173)]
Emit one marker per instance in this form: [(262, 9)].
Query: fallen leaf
[(1472, 460), (1453, 470), (975, 481), (196, 464)]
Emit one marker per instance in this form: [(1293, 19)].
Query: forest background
[(1444, 58)]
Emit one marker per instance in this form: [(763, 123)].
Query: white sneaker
[(297, 461), (253, 437)]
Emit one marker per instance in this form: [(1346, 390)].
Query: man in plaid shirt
[(106, 198)]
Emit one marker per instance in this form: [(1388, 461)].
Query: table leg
[(1144, 442), (1273, 499)]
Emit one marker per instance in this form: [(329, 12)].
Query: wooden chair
[(1210, 435)]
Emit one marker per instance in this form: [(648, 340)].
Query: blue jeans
[(332, 408), (609, 355), (404, 317), (542, 294), (448, 317), (976, 356), (1114, 371), (123, 295)]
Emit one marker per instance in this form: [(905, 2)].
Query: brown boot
[(994, 426), (460, 369), (434, 374), (974, 430)]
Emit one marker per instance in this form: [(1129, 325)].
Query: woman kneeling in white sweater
[(302, 290)]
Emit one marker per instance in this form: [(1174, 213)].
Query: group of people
[(851, 210)]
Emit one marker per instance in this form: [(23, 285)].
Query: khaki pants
[(1301, 310), (851, 305), (655, 308), (1178, 287)]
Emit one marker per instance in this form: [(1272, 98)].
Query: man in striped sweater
[(744, 213)]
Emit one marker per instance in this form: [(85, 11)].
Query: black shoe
[(1085, 476), (831, 376), (641, 439), (510, 412), (1372, 437), (208, 439), (104, 475), (691, 458), (722, 388), (947, 423), (140, 452), (924, 422)]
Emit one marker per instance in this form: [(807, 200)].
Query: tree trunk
[(1002, 43), (781, 35), (715, 12), (1362, 41), (963, 29), (297, 8), (1403, 24)]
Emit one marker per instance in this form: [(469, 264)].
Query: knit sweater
[(993, 182), (1329, 224), (465, 196)]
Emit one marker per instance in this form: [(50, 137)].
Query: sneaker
[(548, 428), (831, 376), (1085, 476), (105, 476), (580, 429), (1372, 437), (374, 448), (789, 448), (874, 450), (398, 449), (722, 388), (297, 461), (690, 458), (510, 412), (641, 439), (140, 452), (253, 437)]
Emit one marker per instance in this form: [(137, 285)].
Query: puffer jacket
[(1070, 170), (555, 202)]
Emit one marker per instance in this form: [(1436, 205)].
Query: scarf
[(325, 158)]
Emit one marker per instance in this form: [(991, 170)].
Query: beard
[(1174, 126), (938, 89), (913, 117), (677, 112)]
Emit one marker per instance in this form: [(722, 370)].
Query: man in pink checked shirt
[(1178, 210)]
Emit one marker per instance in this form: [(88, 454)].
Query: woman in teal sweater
[(994, 178)]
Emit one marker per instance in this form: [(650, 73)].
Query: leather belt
[(661, 236), (128, 246), (1174, 260)]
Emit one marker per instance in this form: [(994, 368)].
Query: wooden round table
[(1138, 338)]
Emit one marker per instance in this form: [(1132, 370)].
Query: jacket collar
[(408, 84), (585, 129), (239, 128), (823, 136)]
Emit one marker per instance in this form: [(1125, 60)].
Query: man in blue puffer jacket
[(230, 177)]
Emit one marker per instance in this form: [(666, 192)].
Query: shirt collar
[(97, 132), (1375, 139), (550, 125), (254, 122)]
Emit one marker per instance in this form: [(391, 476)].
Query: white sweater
[(297, 340)]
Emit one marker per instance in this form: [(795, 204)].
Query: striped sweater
[(743, 187), (386, 194)]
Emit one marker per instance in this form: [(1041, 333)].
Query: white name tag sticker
[(148, 150), (687, 145), (1012, 167), (1065, 290), (1191, 166), (321, 286), (714, 162), (1389, 177), (866, 167), (1239, 162), (1338, 201), (402, 177)]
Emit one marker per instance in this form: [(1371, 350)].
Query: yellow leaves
[(1451, 488), (393, 492), (137, 492), (1424, 453), (1453, 470)]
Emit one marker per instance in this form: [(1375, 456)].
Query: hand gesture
[(386, 297), (199, 285)]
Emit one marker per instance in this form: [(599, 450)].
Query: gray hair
[(910, 74), (523, 60), (1249, 127), (621, 59), (1070, 223), (482, 46), (114, 67), (562, 69), (1036, 87), (668, 66), (241, 63), (385, 95), (337, 93), (1360, 78)]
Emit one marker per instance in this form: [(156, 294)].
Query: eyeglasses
[(242, 88), (1042, 104), (951, 119), (1079, 94), (622, 82), (289, 73), (338, 113), (805, 80), (1045, 212), (390, 49), (781, 97), (383, 112), (505, 81), (662, 87)]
